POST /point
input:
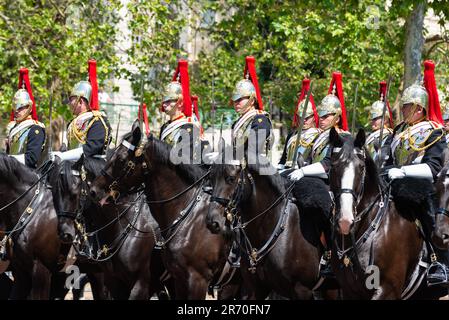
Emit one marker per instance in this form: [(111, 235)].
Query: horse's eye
[(230, 179)]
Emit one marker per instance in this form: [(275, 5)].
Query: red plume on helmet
[(250, 69), (197, 112), (94, 105), (337, 80), (143, 111), (382, 97), (195, 107), (182, 72), (24, 80), (434, 110), (304, 89)]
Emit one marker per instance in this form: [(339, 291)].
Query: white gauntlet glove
[(421, 170)]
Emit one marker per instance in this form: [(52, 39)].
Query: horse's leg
[(96, 281), (6, 285), (141, 290), (41, 278), (197, 286), (386, 292), (78, 293), (22, 285), (302, 292), (58, 291)]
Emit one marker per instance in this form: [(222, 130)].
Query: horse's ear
[(360, 139), (137, 134), (136, 123), (334, 138)]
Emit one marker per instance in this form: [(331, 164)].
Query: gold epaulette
[(435, 126)]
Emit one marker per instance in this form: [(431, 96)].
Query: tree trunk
[(414, 44)]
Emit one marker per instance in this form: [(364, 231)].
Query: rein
[(29, 188), (230, 205)]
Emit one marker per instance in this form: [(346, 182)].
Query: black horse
[(377, 247), (192, 255), (29, 229), (280, 245), (119, 238)]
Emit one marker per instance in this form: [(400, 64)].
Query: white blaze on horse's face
[(347, 200)]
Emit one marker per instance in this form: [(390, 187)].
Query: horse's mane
[(63, 174), (94, 165), (260, 167), (161, 152), (13, 171), (274, 180)]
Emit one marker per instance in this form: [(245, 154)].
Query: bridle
[(230, 205), (113, 187), (83, 196), (356, 196), (231, 211)]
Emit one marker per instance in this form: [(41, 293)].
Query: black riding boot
[(325, 265), (325, 262), (234, 255), (438, 271)]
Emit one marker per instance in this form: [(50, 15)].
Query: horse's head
[(347, 176), (67, 192), (227, 180), (440, 236), (124, 170), (227, 186)]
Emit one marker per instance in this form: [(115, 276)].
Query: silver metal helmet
[(416, 94), (329, 104), (22, 99), (243, 88), (309, 110), (172, 91), (82, 89)]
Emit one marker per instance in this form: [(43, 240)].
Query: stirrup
[(436, 277)]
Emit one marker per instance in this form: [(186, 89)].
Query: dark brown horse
[(280, 245), (31, 229), (192, 255), (377, 244), (120, 237)]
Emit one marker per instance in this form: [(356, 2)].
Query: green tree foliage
[(54, 39)]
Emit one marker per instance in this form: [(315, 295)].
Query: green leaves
[(54, 39)]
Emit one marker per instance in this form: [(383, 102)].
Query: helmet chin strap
[(334, 122), (25, 115), (411, 114), (248, 105)]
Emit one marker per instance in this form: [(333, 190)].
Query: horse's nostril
[(445, 236), (93, 194)]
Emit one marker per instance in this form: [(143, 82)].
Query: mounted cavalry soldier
[(182, 127), (89, 133), (26, 135), (416, 146), (253, 127), (332, 113), (310, 130), (376, 111)]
